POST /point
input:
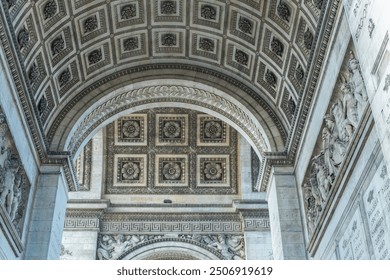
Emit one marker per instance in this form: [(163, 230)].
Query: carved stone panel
[(14, 184)]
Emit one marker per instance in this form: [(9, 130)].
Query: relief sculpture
[(340, 125), (13, 182), (230, 247)]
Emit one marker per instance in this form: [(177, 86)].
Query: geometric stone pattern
[(193, 30), (158, 152)]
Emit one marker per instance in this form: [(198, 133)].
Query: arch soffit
[(256, 125)]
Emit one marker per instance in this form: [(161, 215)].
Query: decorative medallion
[(270, 78), (241, 57), (33, 73), (277, 47), (283, 11), (23, 38), (168, 40), (308, 39), (172, 171), (128, 11), (130, 44), (168, 7), (95, 56), (212, 131), (50, 9), (206, 44), (90, 24), (57, 45), (130, 130), (208, 12), (64, 78), (245, 25), (172, 130)]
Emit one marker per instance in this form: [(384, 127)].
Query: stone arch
[(163, 93)]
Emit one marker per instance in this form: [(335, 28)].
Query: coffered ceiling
[(74, 53)]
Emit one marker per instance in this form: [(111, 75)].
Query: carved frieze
[(228, 247), (158, 151), (340, 124)]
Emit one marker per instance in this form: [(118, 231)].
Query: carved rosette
[(283, 11), (23, 38), (224, 246), (208, 12), (130, 44), (50, 9), (90, 24), (168, 7), (206, 44), (241, 57), (245, 25)]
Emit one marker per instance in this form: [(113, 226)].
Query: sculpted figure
[(322, 180), (311, 207), (357, 83), (106, 248), (17, 198), (223, 247)]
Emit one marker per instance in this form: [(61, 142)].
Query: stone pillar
[(48, 214), (257, 234), (80, 238), (285, 217)]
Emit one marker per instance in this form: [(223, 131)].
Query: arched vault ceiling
[(74, 52)]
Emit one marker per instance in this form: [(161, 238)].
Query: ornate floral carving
[(308, 39), (130, 44), (206, 44), (213, 171), (50, 9), (339, 127), (270, 78), (131, 171), (245, 25), (64, 77), (283, 11), (57, 45), (33, 73), (128, 11), (172, 129), (208, 12), (213, 129), (172, 170), (231, 247), (168, 40), (168, 7), (131, 129), (95, 56), (90, 24), (299, 73), (23, 38), (277, 47), (241, 57)]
